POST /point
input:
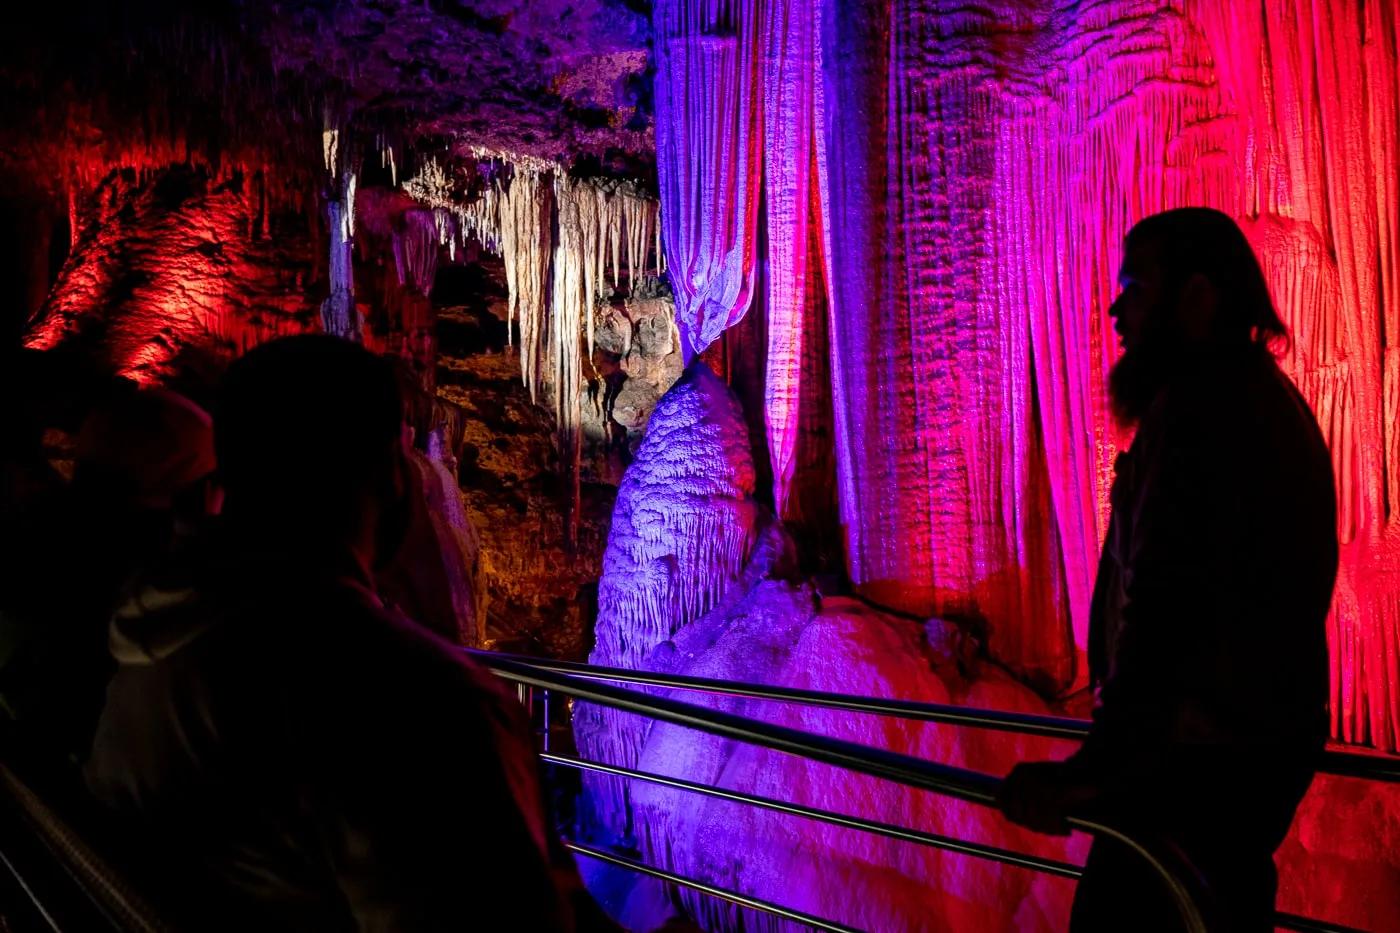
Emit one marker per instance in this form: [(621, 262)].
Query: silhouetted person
[(1207, 636), (27, 479), (315, 761), (141, 464)]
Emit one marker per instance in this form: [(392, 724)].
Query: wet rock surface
[(540, 597)]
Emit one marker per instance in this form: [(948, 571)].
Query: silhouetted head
[(312, 447), (1190, 285), (145, 449)]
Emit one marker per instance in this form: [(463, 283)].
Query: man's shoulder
[(1217, 395), (389, 654)]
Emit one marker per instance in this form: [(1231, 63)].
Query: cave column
[(339, 315)]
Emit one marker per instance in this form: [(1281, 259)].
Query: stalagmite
[(683, 528)]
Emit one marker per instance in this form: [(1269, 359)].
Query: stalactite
[(330, 146), (572, 301), (527, 207), (416, 250), (555, 234), (789, 150), (589, 203)]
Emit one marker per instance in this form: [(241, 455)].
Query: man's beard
[(1138, 376)]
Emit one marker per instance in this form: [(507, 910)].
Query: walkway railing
[(594, 684), (66, 884), (1346, 764)]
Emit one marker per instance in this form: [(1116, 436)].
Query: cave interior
[(765, 340)]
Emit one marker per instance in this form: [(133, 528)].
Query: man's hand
[(1039, 795)]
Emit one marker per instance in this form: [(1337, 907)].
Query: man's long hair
[(1194, 241)]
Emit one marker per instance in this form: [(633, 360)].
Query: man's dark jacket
[(1208, 625)]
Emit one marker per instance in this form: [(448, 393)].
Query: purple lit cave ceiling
[(707, 301)]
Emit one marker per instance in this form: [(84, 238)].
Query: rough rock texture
[(778, 634), (538, 599), (982, 165), (176, 264), (549, 79), (1341, 862), (537, 596), (636, 358)]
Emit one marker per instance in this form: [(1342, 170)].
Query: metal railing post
[(544, 709)]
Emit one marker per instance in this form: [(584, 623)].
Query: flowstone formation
[(699, 580), (168, 267), (946, 186)]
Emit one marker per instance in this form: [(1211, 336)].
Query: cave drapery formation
[(974, 171)]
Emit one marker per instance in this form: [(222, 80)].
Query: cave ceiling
[(89, 86)]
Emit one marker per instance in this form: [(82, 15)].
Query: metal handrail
[(733, 897), (120, 906), (1344, 764), (932, 840), (1180, 879)]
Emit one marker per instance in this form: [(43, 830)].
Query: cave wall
[(975, 169), (1017, 145), (172, 269)]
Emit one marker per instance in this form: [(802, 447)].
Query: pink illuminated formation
[(695, 582), (974, 170)]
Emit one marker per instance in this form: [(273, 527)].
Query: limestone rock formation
[(538, 596), (177, 263), (781, 634), (669, 605)]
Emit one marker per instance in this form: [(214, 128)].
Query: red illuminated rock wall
[(174, 263), (981, 165)]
